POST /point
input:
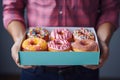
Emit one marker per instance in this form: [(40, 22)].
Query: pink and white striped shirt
[(61, 12)]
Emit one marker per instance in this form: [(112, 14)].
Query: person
[(100, 14)]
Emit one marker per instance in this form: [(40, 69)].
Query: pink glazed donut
[(61, 33), (59, 45)]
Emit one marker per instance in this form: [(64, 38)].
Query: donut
[(34, 44), (38, 32), (61, 33), (84, 45), (83, 33), (59, 45)]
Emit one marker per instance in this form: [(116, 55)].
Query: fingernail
[(17, 60)]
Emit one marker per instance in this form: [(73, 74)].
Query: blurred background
[(9, 70)]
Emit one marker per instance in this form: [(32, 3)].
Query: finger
[(14, 51), (103, 58), (93, 67), (101, 62), (21, 66), (17, 60), (25, 67)]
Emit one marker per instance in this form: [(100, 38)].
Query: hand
[(104, 33), (103, 57), (15, 48), (17, 30)]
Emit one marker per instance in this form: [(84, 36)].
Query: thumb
[(17, 60), (14, 51)]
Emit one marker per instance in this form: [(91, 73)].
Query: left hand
[(103, 57), (104, 33)]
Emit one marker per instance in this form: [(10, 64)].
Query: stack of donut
[(59, 39), (84, 40), (36, 39)]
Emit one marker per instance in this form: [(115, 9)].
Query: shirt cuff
[(12, 17), (111, 17)]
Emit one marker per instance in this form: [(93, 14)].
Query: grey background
[(111, 69)]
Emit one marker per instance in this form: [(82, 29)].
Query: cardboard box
[(60, 58)]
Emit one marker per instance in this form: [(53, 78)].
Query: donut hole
[(37, 32), (58, 43), (84, 43), (60, 33), (33, 43)]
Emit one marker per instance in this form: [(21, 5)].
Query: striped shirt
[(61, 12)]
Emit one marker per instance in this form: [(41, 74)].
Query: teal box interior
[(59, 58)]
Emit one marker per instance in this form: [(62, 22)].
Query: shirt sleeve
[(109, 12), (13, 10)]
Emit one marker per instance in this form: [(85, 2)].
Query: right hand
[(14, 50)]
